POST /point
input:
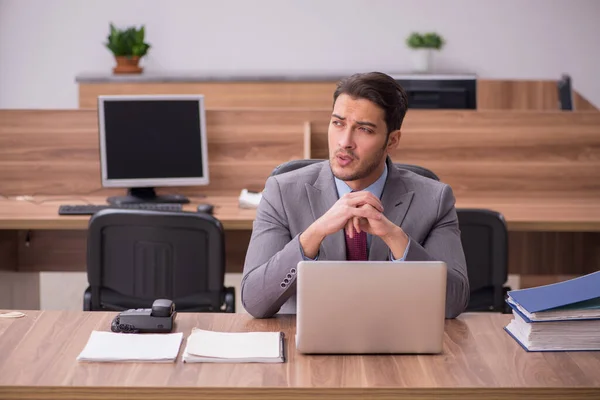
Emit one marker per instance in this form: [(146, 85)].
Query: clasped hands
[(355, 212)]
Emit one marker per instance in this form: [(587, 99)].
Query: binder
[(579, 335), (562, 316), (574, 299)]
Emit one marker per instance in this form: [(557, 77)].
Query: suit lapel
[(321, 196), (396, 199)]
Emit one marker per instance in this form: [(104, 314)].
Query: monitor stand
[(146, 195)]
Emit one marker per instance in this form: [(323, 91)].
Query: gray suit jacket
[(422, 207)]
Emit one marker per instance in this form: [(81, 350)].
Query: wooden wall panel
[(223, 94), (530, 253), (57, 152), (528, 281), (236, 246), (556, 253), (532, 95), (8, 250), (524, 95), (514, 135), (517, 95), (50, 250), (65, 250), (84, 178), (497, 151)]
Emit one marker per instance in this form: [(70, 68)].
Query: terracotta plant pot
[(127, 65)]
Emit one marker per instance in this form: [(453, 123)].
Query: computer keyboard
[(90, 209)]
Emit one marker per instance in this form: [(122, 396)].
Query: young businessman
[(355, 206)]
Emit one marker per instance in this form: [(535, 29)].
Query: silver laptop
[(373, 307)]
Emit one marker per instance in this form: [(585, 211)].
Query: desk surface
[(479, 359), (522, 214), (42, 212)]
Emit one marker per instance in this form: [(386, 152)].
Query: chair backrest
[(137, 256), (295, 164), (484, 238)]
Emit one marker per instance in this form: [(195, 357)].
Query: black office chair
[(484, 237), (137, 256)]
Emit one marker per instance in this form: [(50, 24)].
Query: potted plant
[(128, 47), (423, 46)]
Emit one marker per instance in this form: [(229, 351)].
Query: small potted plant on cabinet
[(128, 47), (423, 46)]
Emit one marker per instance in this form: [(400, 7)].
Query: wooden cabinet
[(305, 92)]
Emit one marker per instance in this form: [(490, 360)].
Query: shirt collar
[(376, 188)]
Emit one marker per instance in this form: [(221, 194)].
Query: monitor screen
[(148, 141)]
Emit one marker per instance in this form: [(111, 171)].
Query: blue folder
[(578, 293)]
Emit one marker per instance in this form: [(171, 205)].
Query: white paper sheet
[(131, 347), (210, 346)]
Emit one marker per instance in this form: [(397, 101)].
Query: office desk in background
[(521, 214), (41, 213), (34, 237), (479, 360)]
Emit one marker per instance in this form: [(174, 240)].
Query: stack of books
[(563, 316)]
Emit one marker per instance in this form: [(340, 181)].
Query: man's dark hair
[(382, 90)]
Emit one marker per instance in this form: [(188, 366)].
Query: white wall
[(44, 44)]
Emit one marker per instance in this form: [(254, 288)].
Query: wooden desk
[(522, 214), (479, 360), (42, 212), (33, 237)]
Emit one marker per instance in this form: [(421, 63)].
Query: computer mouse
[(205, 208)]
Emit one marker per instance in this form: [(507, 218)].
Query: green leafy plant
[(128, 42), (430, 40)]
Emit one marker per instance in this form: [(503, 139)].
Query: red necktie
[(356, 247)]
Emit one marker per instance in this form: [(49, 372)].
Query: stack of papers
[(128, 347), (563, 316), (239, 347)]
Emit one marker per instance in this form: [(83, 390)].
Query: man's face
[(358, 142)]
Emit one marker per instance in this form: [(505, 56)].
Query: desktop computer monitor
[(148, 141)]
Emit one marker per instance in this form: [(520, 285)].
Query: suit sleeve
[(444, 244), (269, 277)]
